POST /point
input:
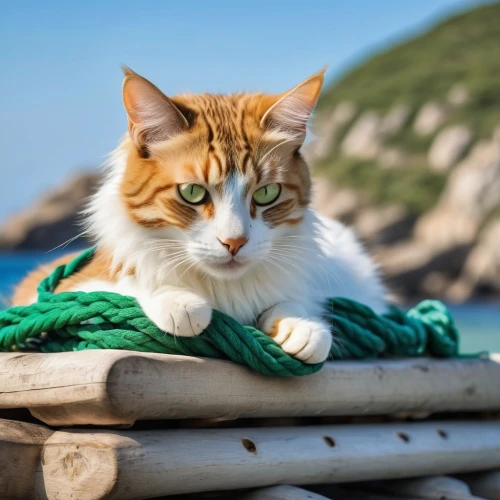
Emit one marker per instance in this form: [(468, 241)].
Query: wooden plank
[(485, 484), (141, 464), (105, 387), (20, 453), (281, 493)]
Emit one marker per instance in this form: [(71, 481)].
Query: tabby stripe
[(243, 131), (253, 210), (246, 158), (142, 185), (297, 190), (293, 222), (151, 197), (206, 167), (151, 223), (219, 163), (210, 129), (185, 215), (273, 215), (258, 175)]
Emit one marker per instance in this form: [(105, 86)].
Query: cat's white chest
[(247, 298)]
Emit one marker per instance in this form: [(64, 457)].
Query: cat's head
[(218, 178)]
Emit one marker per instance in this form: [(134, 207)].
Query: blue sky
[(60, 82)]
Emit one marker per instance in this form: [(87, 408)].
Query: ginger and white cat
[(206, 205)]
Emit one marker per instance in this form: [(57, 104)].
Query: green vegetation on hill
[(464, 49), (416, 187)]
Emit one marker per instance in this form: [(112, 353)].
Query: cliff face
[(410, 143), (52, 220)]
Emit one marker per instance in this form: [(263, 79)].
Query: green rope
[(73, 321)]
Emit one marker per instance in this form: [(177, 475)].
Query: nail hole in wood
[(249, 445), (404, 437), (329, 441), (442, 433)]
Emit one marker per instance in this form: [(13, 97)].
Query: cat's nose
[(233, 245)]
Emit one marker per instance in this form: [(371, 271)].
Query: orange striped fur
[(203, 139), (224, 138)]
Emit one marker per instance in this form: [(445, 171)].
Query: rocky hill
[(408, 151), (52, 220), (410, 143)]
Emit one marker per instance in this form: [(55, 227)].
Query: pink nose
[(233, 245)]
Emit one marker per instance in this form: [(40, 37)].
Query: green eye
[(193, 193), (267, 194)]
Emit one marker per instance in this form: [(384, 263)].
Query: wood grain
[(21, 447), (175, 462), (106, 387), (40, 463)]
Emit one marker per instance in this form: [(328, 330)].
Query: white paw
[(179, 313), (307, 340)]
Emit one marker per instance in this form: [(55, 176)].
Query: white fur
[(181, 275)]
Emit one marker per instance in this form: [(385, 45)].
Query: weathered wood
[(428, 488), (84, 465), (141, 464), (281, 493), (355, 492), (20, 453), (119, 387), (485, 484)]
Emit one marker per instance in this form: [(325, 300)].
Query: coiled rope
[(74, 321)]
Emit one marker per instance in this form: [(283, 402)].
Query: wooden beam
[(20, 454), (281, 493), (428, 488), (144, 464), (485, 484), (105, 387), (355, 492)]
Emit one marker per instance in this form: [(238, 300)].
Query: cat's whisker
[(288, 261), (315, 263), (145, 251), (171, 265), (193, 262), (272, 260), (167, 263), (68, 242)]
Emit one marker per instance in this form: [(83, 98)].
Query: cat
[(206, 205)]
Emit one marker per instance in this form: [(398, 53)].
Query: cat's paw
[(178, 312), (304, 339)]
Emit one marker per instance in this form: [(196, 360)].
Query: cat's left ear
[(291, 110), (152, 116)]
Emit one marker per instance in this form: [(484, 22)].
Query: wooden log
[(428, 488), (105, 387), (20, 453), (355, 492), (142, 464), (485, 484), (281, 493)]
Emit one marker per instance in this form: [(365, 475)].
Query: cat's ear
[(152, 116), (291, 110)]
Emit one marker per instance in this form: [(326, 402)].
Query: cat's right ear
[(152, 116)]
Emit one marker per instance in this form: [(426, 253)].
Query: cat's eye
[(193, 193), (267, 194)]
